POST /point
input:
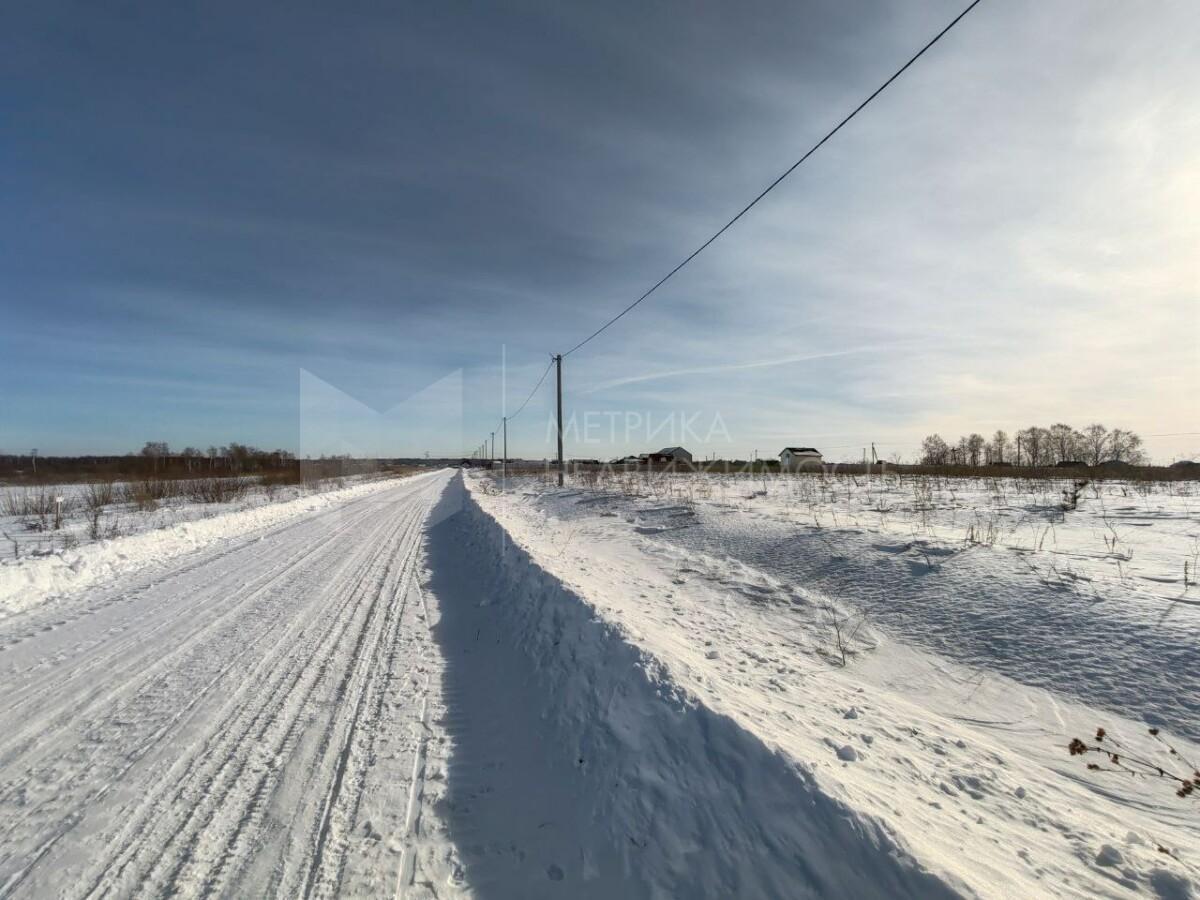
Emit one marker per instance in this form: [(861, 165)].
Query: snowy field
[(95, 541), (925, 652), (1098, 601), (433, 688), (34, 523)]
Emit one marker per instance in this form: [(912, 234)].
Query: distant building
[(669, 455), (799, 458)]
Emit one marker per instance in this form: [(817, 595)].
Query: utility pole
[(504, 459), (558, 366), (493, 447)]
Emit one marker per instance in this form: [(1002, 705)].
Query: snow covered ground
[(27, 517), (428, 688), (66, 559), (1090, 602), (246, 719), (945, 733)]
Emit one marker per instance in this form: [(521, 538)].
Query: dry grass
[(218, 490)]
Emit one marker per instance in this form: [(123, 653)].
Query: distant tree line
[(1037, 446), (157, 460), (235, 457)]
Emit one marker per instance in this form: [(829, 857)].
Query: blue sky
[(206, 205)]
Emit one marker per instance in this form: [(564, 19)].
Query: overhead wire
[(788, 171), (763, 193)]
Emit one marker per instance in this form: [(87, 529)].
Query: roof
[(667, 451), (801, 450)]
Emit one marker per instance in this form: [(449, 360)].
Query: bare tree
[(190, 455), (998, 447), (154, 451), (1034, 442), (1095, 444), (1064, 443), (934, 450), (1125, 446), (961, 452), (975, 445)]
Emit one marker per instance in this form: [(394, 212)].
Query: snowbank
[(670, 797), (963, 768), (32, 580)]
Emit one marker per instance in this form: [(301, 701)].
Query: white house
[(799, 458)]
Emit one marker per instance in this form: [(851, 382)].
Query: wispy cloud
[(725, 367)]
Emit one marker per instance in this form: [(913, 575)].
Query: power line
[(770, 187), (501, 424), (549, 366)]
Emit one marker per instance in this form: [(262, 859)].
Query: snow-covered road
[(243, 721)]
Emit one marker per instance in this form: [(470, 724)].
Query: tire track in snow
[(210, 849), (123, 667), (176, 777), (265, 727), (125, 759), (407, 870), (49, 740), (324, 873)]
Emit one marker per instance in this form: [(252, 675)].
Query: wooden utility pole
[(504, 458), (493, 457), (558, 366)]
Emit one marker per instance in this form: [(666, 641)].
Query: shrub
[(98, 494), (218, 490)]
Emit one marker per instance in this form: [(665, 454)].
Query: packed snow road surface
[(245, 721)]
